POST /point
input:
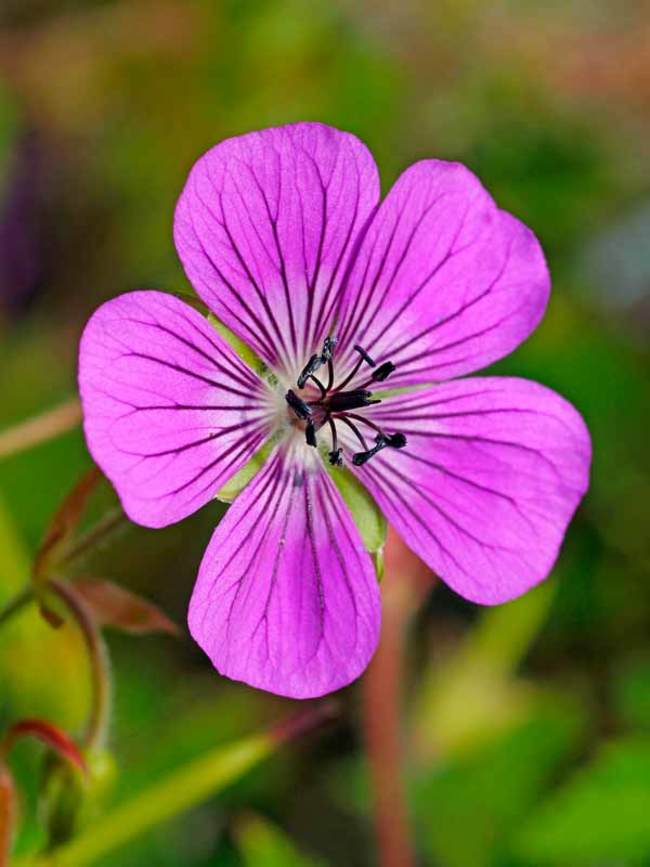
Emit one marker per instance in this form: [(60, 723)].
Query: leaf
[(631, 692), (178, 791), (112, 605), (601, 814), (63, 523), (469, 806), (263, 844), (470, 695)]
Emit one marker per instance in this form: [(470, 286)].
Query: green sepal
[(242, 349), (368, 517), (236, 484), (378, 560)]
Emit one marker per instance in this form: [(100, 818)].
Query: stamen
[(354, 429), (323, 390), (342, 401), (362, 352), (326, 355), (330, 375), (334, 404), (364, 357), (310, 434), (312, 365), (366, 421), (394, 441), (336, 454), (382, 372), (301, 409), (328, 348)]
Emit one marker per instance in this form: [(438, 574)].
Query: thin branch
[(16, 604), (97, 728), (40, 428)]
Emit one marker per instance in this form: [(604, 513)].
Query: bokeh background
[(528, 726)]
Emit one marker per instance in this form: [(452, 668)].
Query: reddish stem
[(7, 814), (405, 581)]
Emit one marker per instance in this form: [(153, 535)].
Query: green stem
[(104, 527), (179, 791), (40, 428), (15, 605)]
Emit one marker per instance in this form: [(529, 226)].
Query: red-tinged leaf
[(64, 522), (7, 814), (112, 605), (49, 734)]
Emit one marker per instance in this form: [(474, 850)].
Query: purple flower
[(366, 316)]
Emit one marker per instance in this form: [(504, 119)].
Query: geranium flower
[(365, 317)]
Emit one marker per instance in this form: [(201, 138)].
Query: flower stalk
[(7, 814), (97, 727), (406, 580)]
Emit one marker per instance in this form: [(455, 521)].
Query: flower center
[(334, 405)]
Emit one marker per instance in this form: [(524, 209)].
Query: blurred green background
[(527, 727)]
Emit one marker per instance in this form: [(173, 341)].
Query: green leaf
[(178, 791), (263, 844), (366, 513), (631, 692), (470, 695), (470, 806), (600, 815)]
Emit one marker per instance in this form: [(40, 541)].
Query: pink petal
[(170, 411), (265, 227), (491, 475), (444, 282), (287, 598)]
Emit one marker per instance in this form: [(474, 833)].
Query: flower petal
[(491, 475), (444, 283), (264, 229), (287, 598), (170, 411)]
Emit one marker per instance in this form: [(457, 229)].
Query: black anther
[(301, 409), (394, 441), (344, 401), (328, 348), (310, 434), (336, 457), (311, 367), (383, 371)]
